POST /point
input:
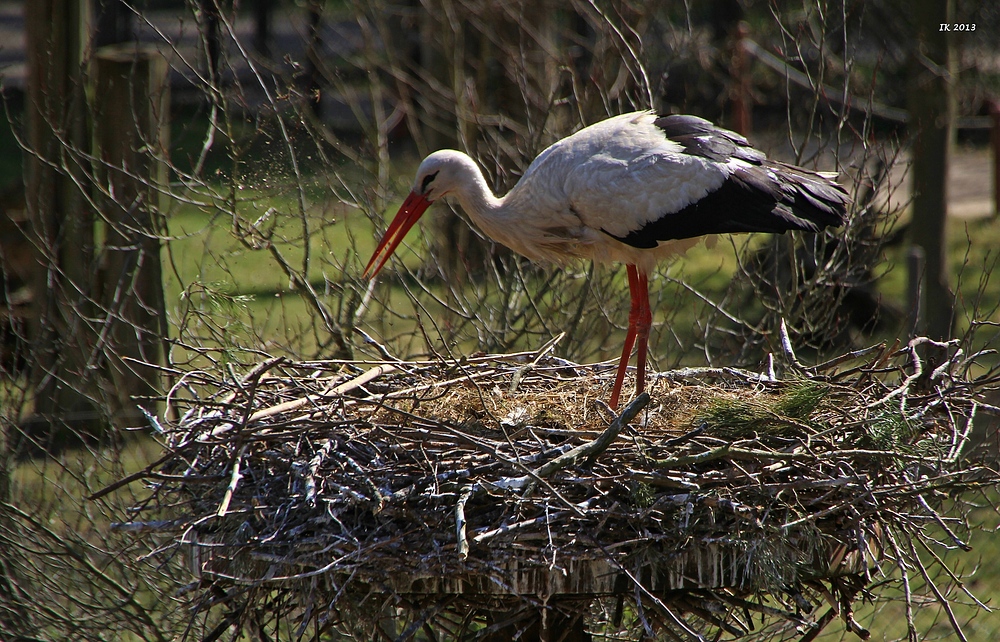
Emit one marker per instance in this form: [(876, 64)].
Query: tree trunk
[(62, 226), (210, 12), (132, 108), (931, 105)]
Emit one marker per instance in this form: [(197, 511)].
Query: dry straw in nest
[(499, 496)]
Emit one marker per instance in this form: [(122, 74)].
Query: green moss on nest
[(782, 414), (888, 430), (801, 400)]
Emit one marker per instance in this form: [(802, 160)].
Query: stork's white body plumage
[(634, 189)]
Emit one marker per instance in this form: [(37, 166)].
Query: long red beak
[(408, 214)]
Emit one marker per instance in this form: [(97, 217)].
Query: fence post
[(131, 115)]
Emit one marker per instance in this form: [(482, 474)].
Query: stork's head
[(438, 175)]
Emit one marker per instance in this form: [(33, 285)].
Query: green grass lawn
[(54, 486), (225, 282)]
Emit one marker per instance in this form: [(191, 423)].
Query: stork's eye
[(427, 181)]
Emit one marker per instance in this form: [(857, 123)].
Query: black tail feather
[(760, 195), (810, 195)]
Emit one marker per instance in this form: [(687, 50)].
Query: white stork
[(636, 189)]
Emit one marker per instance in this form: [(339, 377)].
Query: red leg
[(644, 322), (636, 286)]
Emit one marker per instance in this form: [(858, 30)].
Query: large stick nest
[(725, 502)]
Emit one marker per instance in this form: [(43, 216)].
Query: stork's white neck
[(504, 218), (470, 188)]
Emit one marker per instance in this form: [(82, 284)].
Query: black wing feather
[(767, 196)]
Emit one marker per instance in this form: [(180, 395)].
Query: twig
[(508, 528), (954, 577), (786, 345), (940, 522), (234, 481), (382, 350), (856, 354), (335, 392), (253, 374), (156, 526), (463, 542), (715, 373), (592, 449), (942, 600), (733, 452), (691, 434), (407, 392), (725, 596), (525, 369)]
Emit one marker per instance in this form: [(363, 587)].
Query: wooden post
[(61, 224), (131, 115)]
